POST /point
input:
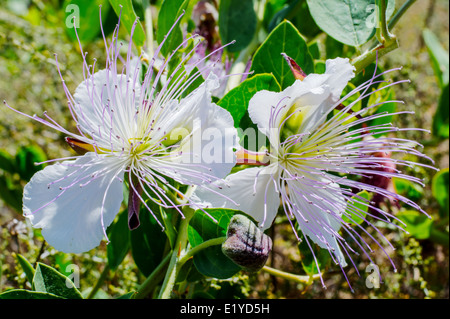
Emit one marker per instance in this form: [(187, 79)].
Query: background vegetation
[(32, 31)]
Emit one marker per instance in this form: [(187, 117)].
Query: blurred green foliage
[(31, 31)]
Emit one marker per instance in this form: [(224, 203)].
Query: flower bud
[(246, 245)]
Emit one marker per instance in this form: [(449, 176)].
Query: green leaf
[(119, 245), (26, 266), (148, 241), (308, 262), (170, 11), (26, 158), (87, 18), (27, 294), (49, 280), (357, 208), (211, 261), (417, 224), (285, 38), (351, 22), (441, 118), (236, 101), (237, 21), (296, 11), (10, 193), (440, 190), (383, 95), (128, 16), (7, 163), (407, 189), (439, 58)]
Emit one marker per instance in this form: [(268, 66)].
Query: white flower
[(134, 134), (311, 155)]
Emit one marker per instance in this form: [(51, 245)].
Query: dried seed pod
[(246, 245)]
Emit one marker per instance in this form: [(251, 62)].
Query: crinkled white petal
[(252, 191), (312, 98), (318, 212), (71, 219), (208, 139), (106, 104)]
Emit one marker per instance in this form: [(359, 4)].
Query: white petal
[(317, 211), (251, 191), (71, 219), (106, 104), (313, 97), (210, 139)]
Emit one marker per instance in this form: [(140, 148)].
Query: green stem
[(292, 277), (400, 13), (383, 35), (367, 58), (99, 283), (196, 249), (179, 247), (150, 283), (148, 26), (388, 42)]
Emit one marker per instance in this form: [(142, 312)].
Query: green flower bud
[(246, 245)]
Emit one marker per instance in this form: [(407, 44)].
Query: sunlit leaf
[(128, 17), (236, 101), (285, 38), (169, 12), (49, 280), (351, 22), (357, 208), (417, 224)]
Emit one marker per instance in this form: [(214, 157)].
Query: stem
[(292, 277), (149, 284), (100, 282), (148, 26), (400, 13), (383, 35), (367, 58), (181, 243), (388, 42), (196, 249)]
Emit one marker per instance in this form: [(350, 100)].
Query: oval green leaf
[(285, 38), (357, 208), (351, 22), (128, 16), (417, 224), (236, 101), (211, 261), (237, 21), (170, 11), (49, 280)]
